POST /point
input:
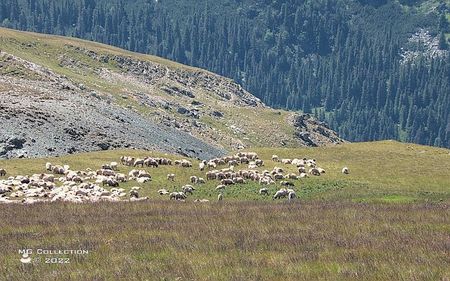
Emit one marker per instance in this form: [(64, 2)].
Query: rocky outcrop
[(44, 120), (312, 132), (152, 73)]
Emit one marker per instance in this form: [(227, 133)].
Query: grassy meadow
[(313, 240), (387, 220), (385, 171)]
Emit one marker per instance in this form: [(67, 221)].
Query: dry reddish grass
[(230, 241)]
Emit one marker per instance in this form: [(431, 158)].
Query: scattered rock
[(217, 114)]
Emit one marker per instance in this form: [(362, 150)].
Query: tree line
[(338, 59)]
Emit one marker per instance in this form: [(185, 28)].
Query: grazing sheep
[(171, 177), (127, 160), (138, 162), (278, 176), (227, 182), (106, 167), (48, 166), (133, 173), (58, 170), (345, 171), (144, 174), (134, 199), (291, 176), (121, 177), (114, 166), (281, 193), (211, 175), (143, 180), (264, 191), (301, 170), (292, 195), (150, 162), (220, 197), (303, 175), (134, 193), (314, 172), (275, 158), (252, 155), (322, 171), (177, 196), (163, 192), (188, 189), (201, 181), (202, 165), (287, 183), (201, 200), (239, 180), (220, 187), (2, 172), (110, 182), (186, 164), (106, 172), (193, 179)]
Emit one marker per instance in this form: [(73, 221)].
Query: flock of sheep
[(61, 183)]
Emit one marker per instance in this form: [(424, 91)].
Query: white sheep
[(220, 187), (202, 165), (188, 189), (193, 179), (143, 180), (114, 166), (345, 171), (163, 191), (134, 199), (220, 197), (292, 195), (227, 182), (201, 200), (171, 177), (48, 166), (138, 162), (314, 172), (134, 193), (2, 172), (303, 175), (177, 196), (264, 191), (281, 193)]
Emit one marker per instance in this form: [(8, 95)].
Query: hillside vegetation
[(62, 95), (371, 69)]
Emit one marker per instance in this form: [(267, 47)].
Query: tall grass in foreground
[(230, 241)]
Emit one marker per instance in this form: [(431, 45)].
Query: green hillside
[(209, 107), (373, 70)]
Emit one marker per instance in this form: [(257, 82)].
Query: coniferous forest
[(377, 69)]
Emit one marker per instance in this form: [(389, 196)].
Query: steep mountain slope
[(61, 95), (346, 61)]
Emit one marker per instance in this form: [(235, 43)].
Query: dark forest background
[(341, 60)]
